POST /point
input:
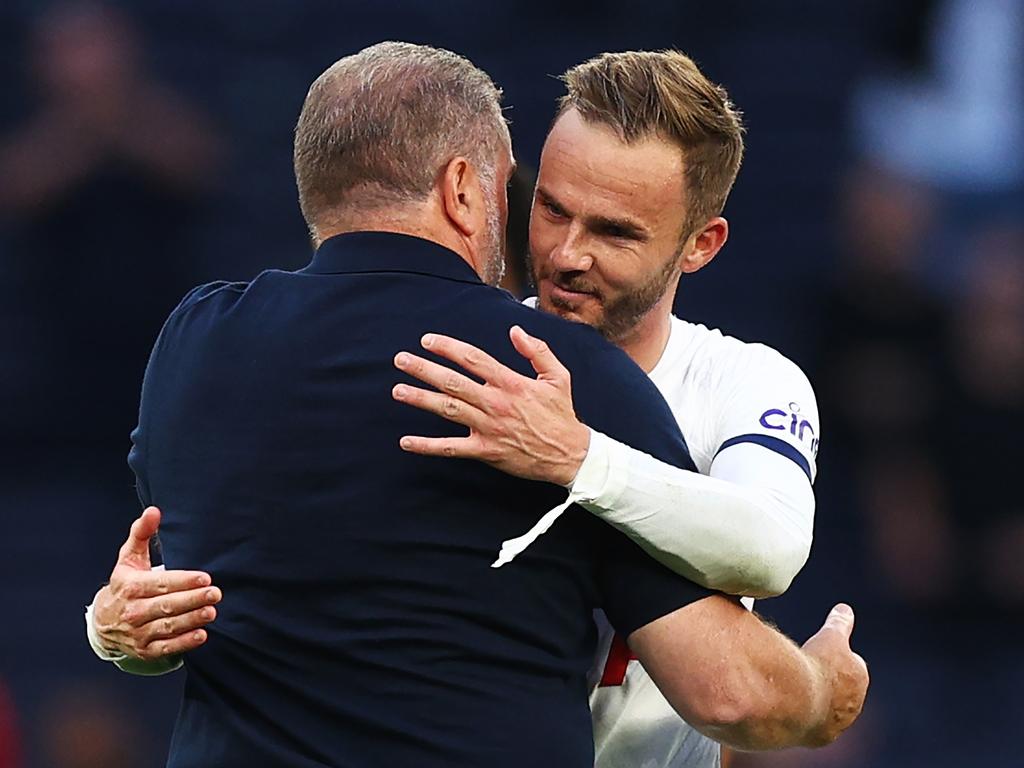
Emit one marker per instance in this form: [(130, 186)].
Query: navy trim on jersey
[(780, 447)]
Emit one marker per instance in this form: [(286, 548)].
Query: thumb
[(135, 550), (840, 620), (537, 352)]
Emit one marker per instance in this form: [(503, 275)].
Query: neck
[(417, 220), (646, 342)]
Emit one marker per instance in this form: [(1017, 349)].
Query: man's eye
[(618, 233), (553, 209)]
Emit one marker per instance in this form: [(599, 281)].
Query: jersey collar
[(363, 252), (669, 352)]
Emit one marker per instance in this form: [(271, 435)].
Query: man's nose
[(572, 253)]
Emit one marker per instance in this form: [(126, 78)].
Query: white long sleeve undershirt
[(746, 529)]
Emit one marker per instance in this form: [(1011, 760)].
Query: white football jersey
[(724, 393)]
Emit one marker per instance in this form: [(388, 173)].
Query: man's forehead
[(592, 160), (569, 158)]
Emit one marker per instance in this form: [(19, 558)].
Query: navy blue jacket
[(361, 623)]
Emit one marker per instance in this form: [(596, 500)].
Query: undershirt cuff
[(94, 638), (604, 474)]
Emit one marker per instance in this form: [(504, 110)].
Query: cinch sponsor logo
[(791, 421)]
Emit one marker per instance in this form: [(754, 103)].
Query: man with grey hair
[(361, 624), (376, 127)]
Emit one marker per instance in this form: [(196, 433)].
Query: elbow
[(775, 579), (771, 567), (722, 695), (745, 715), (722, 712), (742, 714)]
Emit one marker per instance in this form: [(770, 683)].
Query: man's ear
[(703, 245), (461, 195)]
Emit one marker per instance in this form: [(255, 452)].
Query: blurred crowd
[(878, 240)]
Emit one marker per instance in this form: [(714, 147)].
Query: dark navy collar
[(360, 252)]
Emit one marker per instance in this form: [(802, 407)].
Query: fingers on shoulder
[(448, 447)]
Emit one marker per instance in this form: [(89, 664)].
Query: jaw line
[(572, 314)]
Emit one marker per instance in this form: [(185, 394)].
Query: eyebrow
[(627, 227)]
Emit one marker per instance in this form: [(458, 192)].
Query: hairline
[(594, 117)]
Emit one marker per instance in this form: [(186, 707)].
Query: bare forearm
[(734, 678), (787, 698)]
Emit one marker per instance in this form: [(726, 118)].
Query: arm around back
[(744, 530), (146, 617), (747, 533), (746, 685)]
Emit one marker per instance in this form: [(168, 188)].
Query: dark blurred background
[(877, 239)]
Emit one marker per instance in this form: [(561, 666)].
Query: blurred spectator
[(83, 728), (913, 544), (926, 329), (98, 109), (883, 338), (10, 742), (984, 418), (957, 127), (104, 181), (100, 187), (960, 124)]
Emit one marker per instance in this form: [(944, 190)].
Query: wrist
[(818, 732), (100, 647), (578, 447), (603, 476)]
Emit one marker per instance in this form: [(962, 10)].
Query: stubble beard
[(620, 315), (494, 247)]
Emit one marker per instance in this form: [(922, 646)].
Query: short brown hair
[(662, 93), (385, 121)]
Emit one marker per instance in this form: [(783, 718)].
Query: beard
[(493, 246), (619, 314)]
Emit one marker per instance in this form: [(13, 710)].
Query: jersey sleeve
[(747, 528), (768, 402)]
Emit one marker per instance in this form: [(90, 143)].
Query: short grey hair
[(386, 120)]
